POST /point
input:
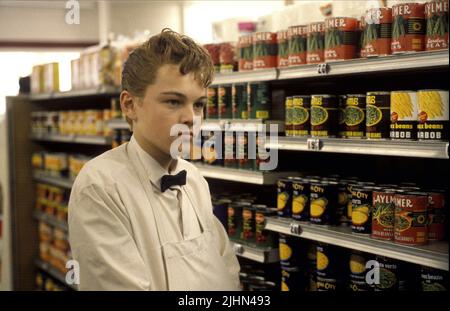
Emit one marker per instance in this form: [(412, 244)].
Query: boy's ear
[(128, 104)]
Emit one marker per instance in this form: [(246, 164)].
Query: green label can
[(259, 104), (240, 101), (235, 219), (225, 102), (355, 116), (324, 115), (377, 115), (288, 123), (248, 224), (301, 123)]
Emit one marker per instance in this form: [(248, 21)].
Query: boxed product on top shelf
[(311, 266), (72, 122), (59, 164), (45, 78), (402, 213), (54, 247), (403, 115)]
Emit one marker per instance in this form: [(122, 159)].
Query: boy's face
[(173, 99)]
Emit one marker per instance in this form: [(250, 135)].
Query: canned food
[(311, 256), (240, 101), (343, 202), (242, 151), (288, 123), (235, 221), (324, 115), (323, 202), (264, 238), (404, 115), (292, 280), (220, 210), (362, 37), (262, 155), (354, 116), (297, 36), (283, 48), (383, 214), (245, 45), (433, 115), (265, 50), (436, 215), (230, 156), (411, 218), (214, 52), (390, 275), (408, 28), (377, 115), (378, 32), (300, 199), (358, 271), (436, 13), (315, 43), (259, 104), (248, 224), (225, 102), (116, 111), (212, 107), (284, 197), (327, 268), (433, 279), (227, 57), (340, 38), (292, 252), (209, 151), (361, 209), (300, 115), (341, 115)]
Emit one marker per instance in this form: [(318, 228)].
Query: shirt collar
[(153, 169)]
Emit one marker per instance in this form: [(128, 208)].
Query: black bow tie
[(168, 181)]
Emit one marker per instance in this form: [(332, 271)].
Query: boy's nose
[(187, 116)]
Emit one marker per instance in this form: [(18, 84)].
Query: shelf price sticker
[(295, 228), (322, 69), (313, 144)]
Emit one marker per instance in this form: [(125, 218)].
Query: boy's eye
[(199, 105), (173, 102)]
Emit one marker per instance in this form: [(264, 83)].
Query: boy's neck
[(165, 160)]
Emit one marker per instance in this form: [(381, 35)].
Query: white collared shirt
[(113, 231)]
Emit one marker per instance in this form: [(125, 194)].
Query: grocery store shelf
[(77, 139), (246, 76), (101, 91), (118, 124), (359, 66), (58, 275), (435, 254), (257, 254), (44, 177), (418, 149), (241, 175), (51, 220)]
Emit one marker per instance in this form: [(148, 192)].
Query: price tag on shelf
[(238, 249), (322, 69), (313, 144), (295, 228)]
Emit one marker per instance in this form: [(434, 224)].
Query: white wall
[(41, 21)]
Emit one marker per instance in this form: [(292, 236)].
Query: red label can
[(408, 28), (315, 43), (297, 36), (436, 216), (283, 48), (340, 38), (378, 32), (245, 46), (411, 220), (436, 13), (265, 50), (383, 215)]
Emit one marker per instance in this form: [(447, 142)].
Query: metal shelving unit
[(419, 149), (55, 273), (74, 139), (101, 91), (44, 177), (269, 255), (246, 76), (51, 220), (434, 255), (240, 175)]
